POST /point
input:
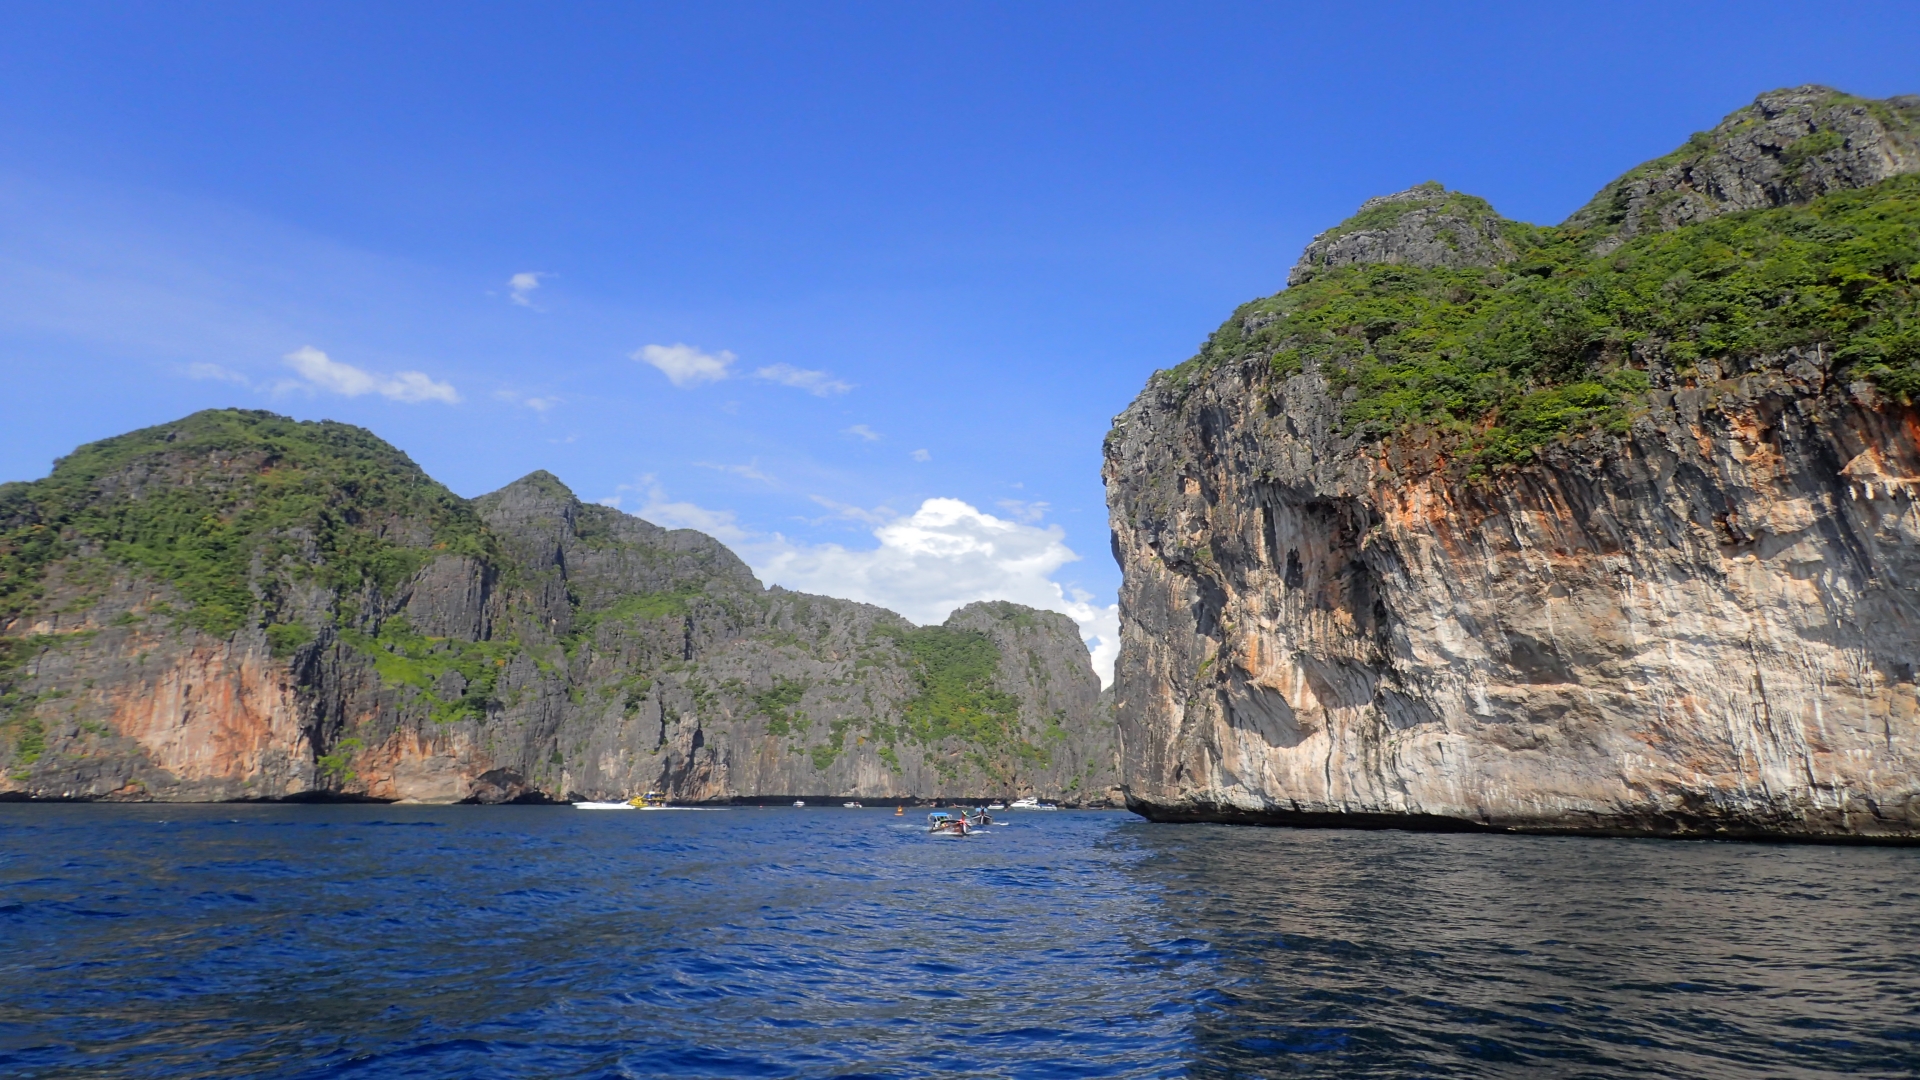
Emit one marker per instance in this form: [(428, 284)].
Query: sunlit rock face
[(1705, 621), (521, 647)]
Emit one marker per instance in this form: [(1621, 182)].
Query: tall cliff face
[(1606, 534), (240, 606)]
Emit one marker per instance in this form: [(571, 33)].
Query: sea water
[(390, 941)]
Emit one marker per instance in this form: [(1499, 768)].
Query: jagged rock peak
[(1425, 225), (535, 508), (1789, 146), (539, 491)]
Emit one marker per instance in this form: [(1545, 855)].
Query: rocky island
[(240, 606), (1604, 528)]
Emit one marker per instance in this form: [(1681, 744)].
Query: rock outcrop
[(237, 606), (1426, 225), (1692, 610), (1789, 146)]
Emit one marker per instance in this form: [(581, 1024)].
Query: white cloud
[(686, 366), (538, 404), (685, 515), (1021, 510), (324, 373), (920, 455), (216, 372), (818, 383), (944, 555), (750, 470), (879, 515), (862, 431), (657, 508), (521, 288)]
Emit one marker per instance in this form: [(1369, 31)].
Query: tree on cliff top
[(1564, 335), (202, 502)]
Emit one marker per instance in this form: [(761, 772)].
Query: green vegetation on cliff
[(954, 672), (202, 502), (404, 657), (1470, 210), (1557, 342), (1614, 205)]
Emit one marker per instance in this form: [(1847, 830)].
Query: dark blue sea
[(382, 941)]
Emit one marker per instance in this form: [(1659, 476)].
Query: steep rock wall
[(1708, 627), (1699, 618)]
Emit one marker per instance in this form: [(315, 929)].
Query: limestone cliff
[(238, 606), (1603, 528)]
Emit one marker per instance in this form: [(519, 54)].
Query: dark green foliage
[(782, 696), (634, 691), (781, 703), (197, 502), (1551, 345), (405, 658), (662, 605), (338, 764), (14, 653), (285, 639), (1608, 209), (1471, 209), (954, 671), (1012, 614), (27, 733), (824, 754)]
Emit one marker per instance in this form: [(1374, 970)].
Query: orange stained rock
[(212, 715)]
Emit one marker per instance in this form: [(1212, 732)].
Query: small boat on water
[(899, 811), (1031, 803), (996, 806), (652, 800), (851, 805), (800, 802), (950, 824)]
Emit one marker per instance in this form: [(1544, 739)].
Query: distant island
[(240, 606)]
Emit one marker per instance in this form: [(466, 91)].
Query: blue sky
[(931, 249)]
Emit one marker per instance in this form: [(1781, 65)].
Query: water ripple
[(311, 941)]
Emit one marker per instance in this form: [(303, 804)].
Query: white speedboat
[(799, 802), (1030, 804), (852, 805), (996, 806), (652, 800)]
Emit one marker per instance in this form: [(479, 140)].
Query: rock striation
[(1664, 579), (239, 606)]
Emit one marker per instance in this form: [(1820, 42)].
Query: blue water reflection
[(308, 941)]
